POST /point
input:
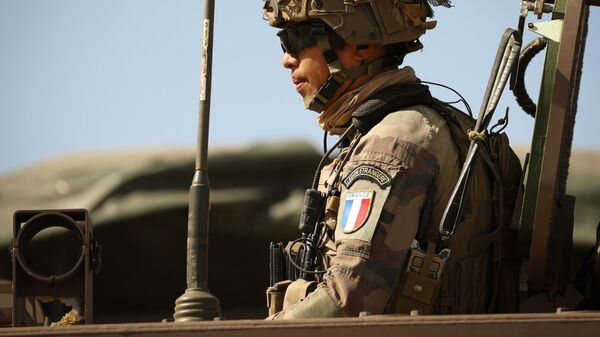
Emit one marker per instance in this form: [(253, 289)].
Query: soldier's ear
[(367, 52)]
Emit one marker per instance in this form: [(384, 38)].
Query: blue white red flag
[(356, 210)]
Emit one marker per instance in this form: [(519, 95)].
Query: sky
[(97, 75)]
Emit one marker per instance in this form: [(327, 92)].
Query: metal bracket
[(538, 7), (549, 29)]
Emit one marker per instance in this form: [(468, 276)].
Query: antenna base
[(196, 304)]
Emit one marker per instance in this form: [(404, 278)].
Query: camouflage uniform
[(406, 167), (397, 179)]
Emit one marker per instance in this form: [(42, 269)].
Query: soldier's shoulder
[(419, 125), (408, 135)]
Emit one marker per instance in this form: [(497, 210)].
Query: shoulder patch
[(357, 206), (371, 173)]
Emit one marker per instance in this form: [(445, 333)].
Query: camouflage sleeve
[(384, 188)]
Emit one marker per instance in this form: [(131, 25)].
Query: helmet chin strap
[(337, 73)]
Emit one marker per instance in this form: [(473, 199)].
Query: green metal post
[(547, 215)]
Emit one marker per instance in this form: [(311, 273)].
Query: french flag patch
[(356, 210)]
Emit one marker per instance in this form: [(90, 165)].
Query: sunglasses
[(296, 38)]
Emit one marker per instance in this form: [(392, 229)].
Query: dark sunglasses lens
[(295, 39), (285, 50), (286, 45)]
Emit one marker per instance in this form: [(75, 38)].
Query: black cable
[(519, 90), (451, 102), (344, 160), (304, 241), (502, 123), (315, 183), (462, 99)]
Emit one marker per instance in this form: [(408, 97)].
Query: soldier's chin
[(308, 102)]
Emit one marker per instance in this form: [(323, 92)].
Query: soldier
[(400, 159)]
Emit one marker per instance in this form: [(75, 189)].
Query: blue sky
[(94, 75)]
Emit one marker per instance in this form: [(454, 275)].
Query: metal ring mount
[(37, 224)]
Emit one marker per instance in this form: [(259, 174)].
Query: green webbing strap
[(337, 75), (319, 31)]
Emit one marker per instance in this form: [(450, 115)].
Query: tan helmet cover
[(361, 22)]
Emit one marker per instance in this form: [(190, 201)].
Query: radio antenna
[(197, 303)]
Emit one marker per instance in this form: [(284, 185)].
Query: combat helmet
[(396, 23)]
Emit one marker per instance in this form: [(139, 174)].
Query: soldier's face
[(309, 70)]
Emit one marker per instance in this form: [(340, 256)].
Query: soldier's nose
[(289, 61)]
